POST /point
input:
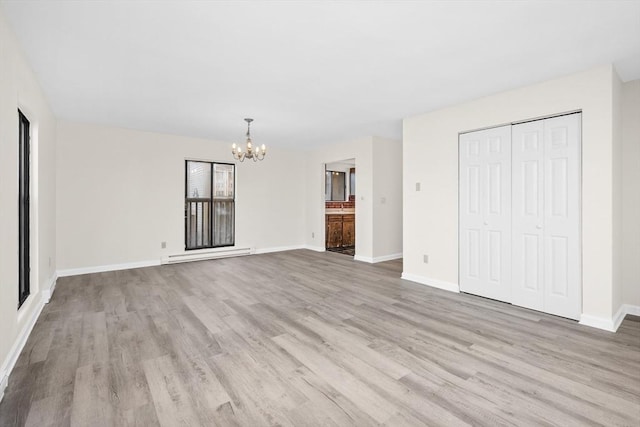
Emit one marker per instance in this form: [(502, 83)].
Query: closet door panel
[(528, 214), (472, 270), (498, 213), (485, 199), (563, 290)]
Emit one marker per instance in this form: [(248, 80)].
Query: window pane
[(223, 218), (223, 181), (198, 180)]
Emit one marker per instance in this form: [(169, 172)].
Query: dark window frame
[(211, 199), (24, 203)]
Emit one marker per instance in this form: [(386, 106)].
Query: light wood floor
[(302, 338)]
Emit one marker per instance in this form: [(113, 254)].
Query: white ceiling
[(307, 72)]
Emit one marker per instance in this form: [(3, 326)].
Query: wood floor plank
[(91, 396), (172, 402), (307, 339), (355, 390), (93, 341), (205, 314)]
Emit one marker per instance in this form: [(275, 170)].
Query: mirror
[(334, 186)]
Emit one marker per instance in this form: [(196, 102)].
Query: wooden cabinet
[(340, 231), (348, 230), (334, 231)]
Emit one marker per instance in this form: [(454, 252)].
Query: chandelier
[(254, 154)]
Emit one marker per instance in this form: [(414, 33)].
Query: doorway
[(340, 206)]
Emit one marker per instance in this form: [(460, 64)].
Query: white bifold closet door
[(546, 215), (485, 213), (519, 200)]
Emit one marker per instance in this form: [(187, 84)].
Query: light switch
[(417, 186)]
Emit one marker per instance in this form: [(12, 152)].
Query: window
[(23, 208), (334, 188), (209, 205)]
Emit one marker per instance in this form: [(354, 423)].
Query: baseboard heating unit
[(206, 255)]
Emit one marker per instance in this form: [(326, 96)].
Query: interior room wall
[(431, 159), (19, 89), (387, 199), (121, 193), (631, 193)]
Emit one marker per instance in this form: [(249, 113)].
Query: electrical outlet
[(313, 235), (417, 186), (425, 259), (163, 245), (383, 200)]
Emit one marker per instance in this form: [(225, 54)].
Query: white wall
[(20, 89), (631, 192), (121, 193), (387, 198), (431, 158)]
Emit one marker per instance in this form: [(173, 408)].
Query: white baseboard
[(278, 249), (4, 382), (315, 248), (633, 310), (374, 260), (625, 309), (389, 257), (597, 322), (619, 317), (434, 283), (103, 268), (21, 339), (612, 324), (190, 256), (51, 286)]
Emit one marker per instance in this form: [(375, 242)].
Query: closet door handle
[(539, 227), (486, 223)]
